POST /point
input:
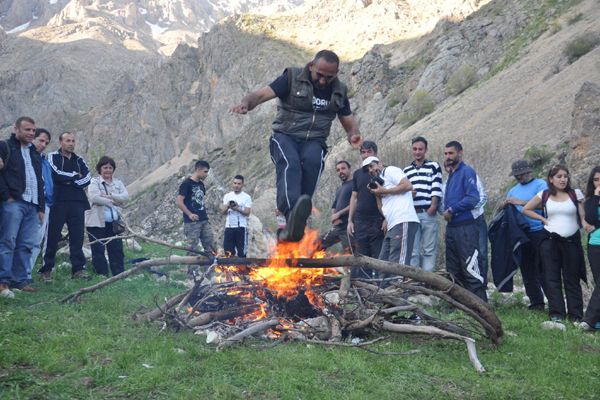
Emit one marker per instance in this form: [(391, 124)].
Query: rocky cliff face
[(156, 119)]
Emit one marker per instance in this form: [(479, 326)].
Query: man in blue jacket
[(22, 209), (42, 139), (462, 234)]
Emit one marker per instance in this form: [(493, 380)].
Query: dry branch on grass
[(361, 309)]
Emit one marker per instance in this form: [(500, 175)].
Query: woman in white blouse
[(106, 194), (561, 252)]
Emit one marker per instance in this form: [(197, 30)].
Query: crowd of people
[(40, 193), (380, 210)]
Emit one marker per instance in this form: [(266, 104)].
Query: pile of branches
[(347, 311)]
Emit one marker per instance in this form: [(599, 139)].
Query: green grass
[(94, 350)]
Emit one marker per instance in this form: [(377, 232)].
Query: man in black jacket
[(71, 176), (22, 206), (310, 98)]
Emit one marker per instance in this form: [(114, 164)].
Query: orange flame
[(283, 280)]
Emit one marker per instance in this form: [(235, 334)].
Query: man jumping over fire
[(309, 100)]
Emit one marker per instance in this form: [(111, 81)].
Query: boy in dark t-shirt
[(190, 200)]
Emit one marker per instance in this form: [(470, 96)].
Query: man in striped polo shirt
[(426, 179)]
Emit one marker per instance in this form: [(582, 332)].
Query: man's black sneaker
[(297, 220)]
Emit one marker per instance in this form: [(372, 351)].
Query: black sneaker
[(297, 220)]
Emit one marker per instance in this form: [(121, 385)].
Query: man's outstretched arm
[(351, 127), (253, 99)]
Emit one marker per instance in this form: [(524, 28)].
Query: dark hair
[(60, 137), (328, 56), (240, 177), (419, 139), (589, 189), (20, 120), (367, 144), (104, 160), (343, 162), (39, 131), (456, 144), (201, 164), (553, 171)]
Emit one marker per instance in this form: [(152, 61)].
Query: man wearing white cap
[(394, 197)]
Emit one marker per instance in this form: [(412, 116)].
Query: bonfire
[(301, 294)]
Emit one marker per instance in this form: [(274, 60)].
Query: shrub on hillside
[(419, 105), (580, 46), (461, 80)]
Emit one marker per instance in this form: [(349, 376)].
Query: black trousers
[(235, 241), (531, 269), (71, 213), (592, 313), (562, 265), (462, 257), (368, 239), (337, 234), (114, 248), (594, 259), (298, 166)]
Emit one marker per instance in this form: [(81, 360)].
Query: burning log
[(257, 327)]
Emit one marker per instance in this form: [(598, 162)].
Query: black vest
[(295, 114)]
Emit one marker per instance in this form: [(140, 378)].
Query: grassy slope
[(92, 349)]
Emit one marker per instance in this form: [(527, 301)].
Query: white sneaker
[(584, 326), (7, 293)]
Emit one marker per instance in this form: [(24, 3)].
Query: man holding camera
[(237, 205), (394, 198)]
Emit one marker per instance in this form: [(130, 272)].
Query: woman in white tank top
[(561, 251)]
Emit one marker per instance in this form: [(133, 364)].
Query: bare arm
[(403, 187), (351, 127), (253, 99), (588, 228), (182, 207), (351, 212), (529, 208)]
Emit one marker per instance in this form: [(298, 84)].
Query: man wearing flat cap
[(527, 186)]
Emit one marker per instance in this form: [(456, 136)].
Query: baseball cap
[(369, 160)]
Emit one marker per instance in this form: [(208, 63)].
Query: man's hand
[(1, 164), (431, 211), (350, 228), (384, 226), (355, 141), (447, 216), (41, 216), (514, 201), (239, 109), (378, 190), (194, 217)]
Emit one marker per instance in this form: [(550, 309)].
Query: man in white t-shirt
[(237, 205), (394, 197)]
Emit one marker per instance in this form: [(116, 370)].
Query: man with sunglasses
[(527, 186), (310, 98)]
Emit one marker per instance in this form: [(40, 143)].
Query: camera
[(374, 181), (232, 203)]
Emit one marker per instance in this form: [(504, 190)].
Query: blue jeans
[(425, 248), (40, 242), (19, 224)]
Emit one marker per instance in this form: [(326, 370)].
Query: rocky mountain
[(500, 76), (166, 22)]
